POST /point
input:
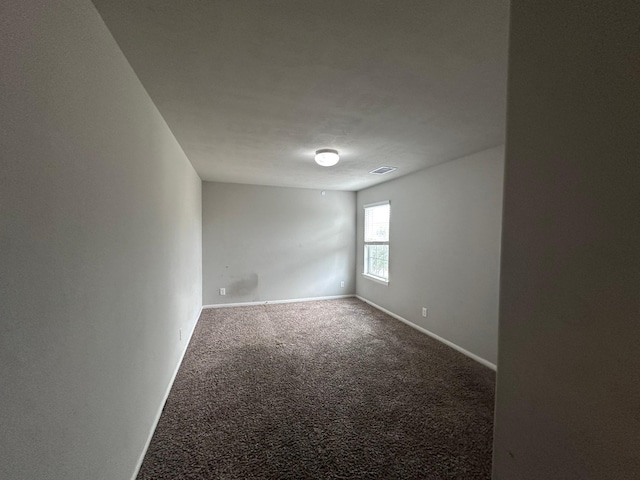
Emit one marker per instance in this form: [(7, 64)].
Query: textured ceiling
[(251, 88)]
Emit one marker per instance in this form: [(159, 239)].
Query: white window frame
[(365, 274)]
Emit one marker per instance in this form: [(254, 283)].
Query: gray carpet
[(327, 389)]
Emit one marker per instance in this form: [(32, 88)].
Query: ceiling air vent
[(382, 170)]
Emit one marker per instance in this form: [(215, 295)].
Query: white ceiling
[(251, 88)]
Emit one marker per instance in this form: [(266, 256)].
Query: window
[(376, 241)]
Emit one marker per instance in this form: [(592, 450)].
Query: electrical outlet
[(424, 312), (180, 333), (223, 291), (342, 284)]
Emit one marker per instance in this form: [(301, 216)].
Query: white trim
[(375, 279), (272, 302), (164, 398), (375, 204), (475, 357), (387, 242)]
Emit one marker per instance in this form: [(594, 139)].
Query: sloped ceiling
[(251, 88)]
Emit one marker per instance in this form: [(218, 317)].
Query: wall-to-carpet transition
[(324, 389)]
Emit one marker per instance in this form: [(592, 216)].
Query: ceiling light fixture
[(327, 157)]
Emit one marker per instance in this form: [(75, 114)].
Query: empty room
[(320, 239)]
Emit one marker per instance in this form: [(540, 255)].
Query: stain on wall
[(244, 286)]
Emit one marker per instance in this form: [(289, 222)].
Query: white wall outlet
[(223, 291), (180, 333), (342, 284), (424, 312)]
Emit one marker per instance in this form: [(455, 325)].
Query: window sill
[(376, 279)]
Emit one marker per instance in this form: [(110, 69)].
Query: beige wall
[(100, 248), (444, 249), (568, 388), (273, 243)]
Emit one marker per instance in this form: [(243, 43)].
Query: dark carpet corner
[(329, 389)]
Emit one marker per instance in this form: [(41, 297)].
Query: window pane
[(376, 223), (376, 261)]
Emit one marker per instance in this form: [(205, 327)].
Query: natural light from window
[(376, 241)]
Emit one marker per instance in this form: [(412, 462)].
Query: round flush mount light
[(327, 157)]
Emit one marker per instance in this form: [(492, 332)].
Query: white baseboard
[(165, 396), (273, 302), (475, 357)]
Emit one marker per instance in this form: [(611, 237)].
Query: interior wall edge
[(166, 395)]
